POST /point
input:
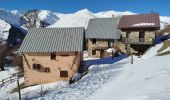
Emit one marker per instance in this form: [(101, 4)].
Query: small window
[(53, 56), (36, 66), (126, 46), (93, 52), (46, 69), (63, 73), (93, 41)]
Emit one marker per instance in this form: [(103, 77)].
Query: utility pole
[(19, 89)]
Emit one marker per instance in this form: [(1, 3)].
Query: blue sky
[(70, 6)]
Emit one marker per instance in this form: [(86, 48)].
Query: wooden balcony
[(148, 41)]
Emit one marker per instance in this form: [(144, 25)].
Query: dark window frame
[(36, 66), (46, 69), (93, 52), (53, 56), (64, 74), (93, 41)]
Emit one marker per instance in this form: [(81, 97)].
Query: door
[(141, 36), (101, 53)]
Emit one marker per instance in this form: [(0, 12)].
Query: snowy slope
[(47, 16), (78, 19), (165, 20), (106, 14), (4, 28), (148, 80), (112, 79)]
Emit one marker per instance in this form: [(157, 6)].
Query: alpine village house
[(138, 32), (102, 34), (51, 54), (54, 54)]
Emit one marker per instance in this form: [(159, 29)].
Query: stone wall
[(135, 34), (63, 62), (101, 44)]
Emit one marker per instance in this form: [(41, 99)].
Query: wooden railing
[(10, 79), (138, 40)]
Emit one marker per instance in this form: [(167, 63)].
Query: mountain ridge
[(55, 19)]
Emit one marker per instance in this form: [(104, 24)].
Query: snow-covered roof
[(150, 20), (143, 24)]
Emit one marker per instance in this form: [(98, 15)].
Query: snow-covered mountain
[(77, 19), (4, 28), (45, 18), (81, 18), (8, 18), (106, 14)]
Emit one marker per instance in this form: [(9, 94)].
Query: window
[(93, 52), (36, 66), (93, 41), (141, 36), (53, 56), (128, 34), (126, 47), (63, 73), (46, 69)]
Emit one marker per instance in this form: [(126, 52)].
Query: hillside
[(147, 79)]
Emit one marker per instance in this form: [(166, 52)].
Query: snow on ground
[(152, 51), (110, 50), (148, 80), (7, 88), (107, 78), (8, 72), (5, 91)]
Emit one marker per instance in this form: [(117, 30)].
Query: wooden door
[(101, 53), (141, 36)]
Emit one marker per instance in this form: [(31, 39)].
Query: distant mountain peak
[(85, 12)]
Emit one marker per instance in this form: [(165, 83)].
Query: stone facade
[(99, 46), (69, 62), (149, 37)]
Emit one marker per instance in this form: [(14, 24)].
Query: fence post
[(10, 78), (19, 89), (2, 82), (131, 58)]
